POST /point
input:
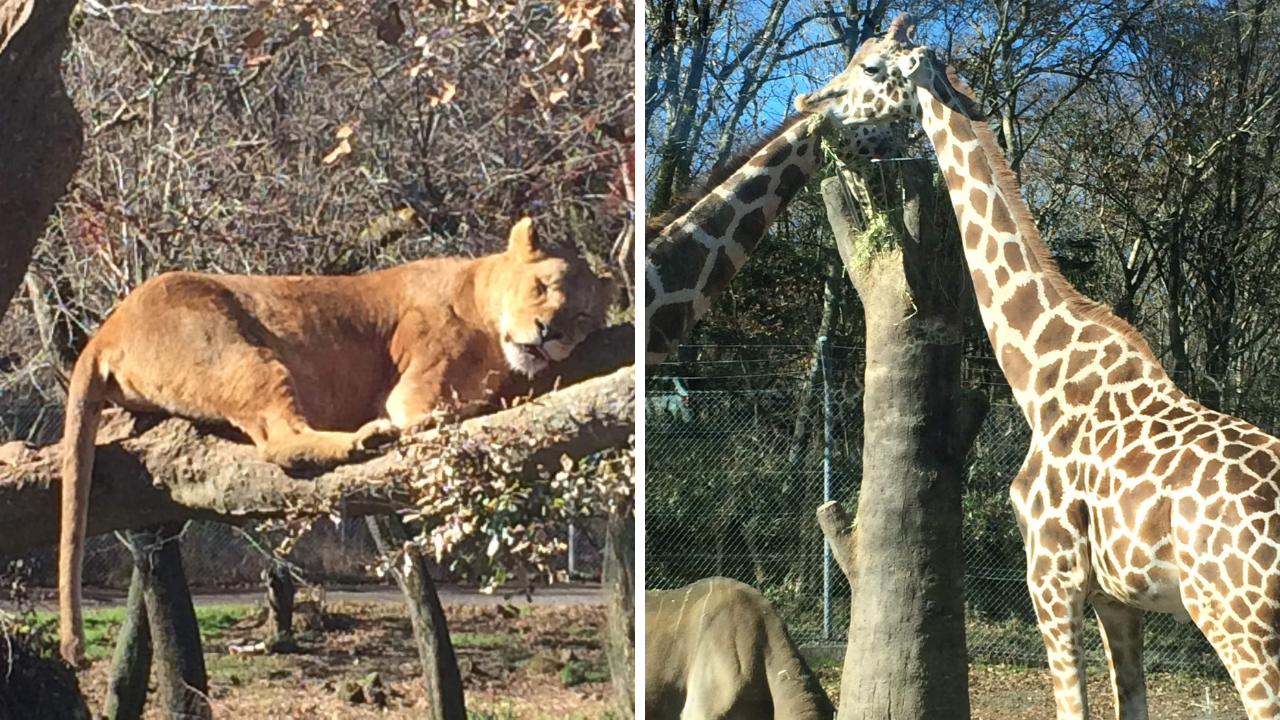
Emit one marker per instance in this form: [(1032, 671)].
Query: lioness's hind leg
[(282, 434), (301, 447)]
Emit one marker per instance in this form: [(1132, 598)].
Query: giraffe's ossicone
[(1132, 497)]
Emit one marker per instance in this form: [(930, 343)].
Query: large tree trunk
[(440, 677), (620, 640), (175, 637), (40, 132), (906, 652)]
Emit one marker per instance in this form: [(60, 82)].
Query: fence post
[(573, 564), (826, 487)]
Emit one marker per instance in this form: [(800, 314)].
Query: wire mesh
[(734, 470)]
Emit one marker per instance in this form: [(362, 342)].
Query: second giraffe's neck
[(1043, 331), (700, 247)]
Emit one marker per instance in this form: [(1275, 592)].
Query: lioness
[(716, 649), (317, 370)]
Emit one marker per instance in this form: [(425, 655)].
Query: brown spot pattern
[(680, 261), (1055, 336), (979, 168), (1001, 221), (972, 235), (1022, 309), (750, 229), (981, 289), (1078, 360), (1016, 367), (978, 200), (1013, 257), (962, 128)]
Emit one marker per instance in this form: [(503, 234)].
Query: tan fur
[(316, 370), (717, 649)]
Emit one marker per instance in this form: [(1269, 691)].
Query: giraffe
[(1132, 496), (696, 248)]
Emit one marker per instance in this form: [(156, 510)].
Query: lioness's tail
[(84, 407)]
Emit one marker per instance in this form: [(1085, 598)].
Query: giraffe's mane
[(1086, 308), (685, 201)]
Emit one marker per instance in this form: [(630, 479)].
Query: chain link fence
[(744, 442)]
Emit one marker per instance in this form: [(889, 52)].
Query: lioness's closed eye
[(317, 370)]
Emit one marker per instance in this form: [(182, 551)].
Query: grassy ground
[(516, 661), (101, 625)]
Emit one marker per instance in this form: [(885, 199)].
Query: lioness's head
[(549, 300)]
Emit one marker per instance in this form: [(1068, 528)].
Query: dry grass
[(493, 646)]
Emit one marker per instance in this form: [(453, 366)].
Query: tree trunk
[(40, 131), (131, 663), (906, 652), (280, 594), (440, 677), (619, 578), (175, 636), (838, 530)]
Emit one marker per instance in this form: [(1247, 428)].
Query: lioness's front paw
[(376, 434)]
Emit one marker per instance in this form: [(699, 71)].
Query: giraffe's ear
[(524, 242), (910, 62)]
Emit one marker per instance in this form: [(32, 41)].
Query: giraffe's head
[(878, 86)]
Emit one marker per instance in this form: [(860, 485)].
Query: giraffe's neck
[(697, 252), (1045, 334)]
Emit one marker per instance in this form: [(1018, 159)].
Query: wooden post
[(175, 636), (440, 676), (280, 593), (131, 663)]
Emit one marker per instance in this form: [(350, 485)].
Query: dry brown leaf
[(254, 40), (344, 131), (343, 148), (447, 91), (556, 96)]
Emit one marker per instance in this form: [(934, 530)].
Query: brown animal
[(317, 371), (716, 649)]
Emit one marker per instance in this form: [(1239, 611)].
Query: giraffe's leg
[(1245, 636), (1060, 616), (1121, 628)]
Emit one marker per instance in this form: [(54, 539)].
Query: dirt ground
[(1005, 693), (522, 661)]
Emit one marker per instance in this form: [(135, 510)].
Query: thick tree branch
[(837, 528), (173, 471)]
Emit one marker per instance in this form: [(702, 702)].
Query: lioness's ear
[(524, 240)]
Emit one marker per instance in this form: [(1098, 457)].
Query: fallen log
[(174, 471)]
